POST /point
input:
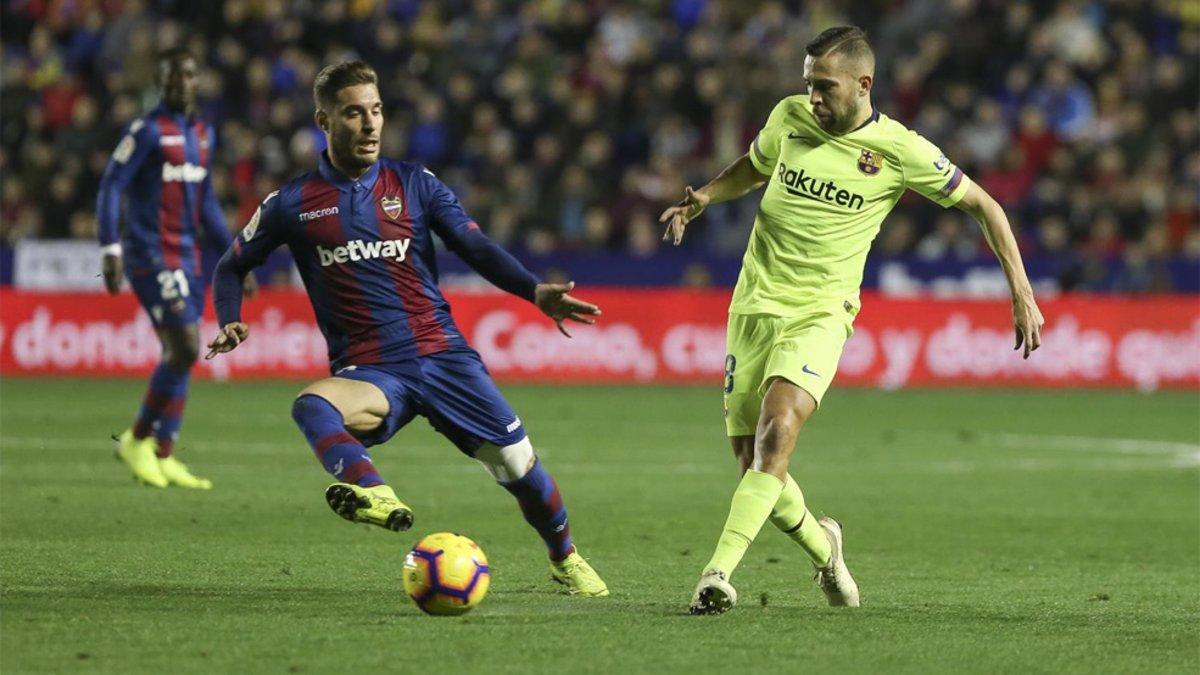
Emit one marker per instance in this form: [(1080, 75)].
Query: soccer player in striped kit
[(361, 230), (162, 167)]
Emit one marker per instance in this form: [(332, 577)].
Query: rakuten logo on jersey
[(354, 251), (803, 185), (183, 173)]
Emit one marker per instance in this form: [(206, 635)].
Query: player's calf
[(360, 496), (342, 455), (517, 469)]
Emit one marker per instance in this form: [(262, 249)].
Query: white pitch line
[(1139, 446)]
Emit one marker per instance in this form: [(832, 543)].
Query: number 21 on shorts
[(174, 284)]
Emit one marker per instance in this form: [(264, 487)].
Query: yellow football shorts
[(804, 350)]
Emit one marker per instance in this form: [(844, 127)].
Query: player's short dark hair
[(337, 77), (849, 41), (175, 54)]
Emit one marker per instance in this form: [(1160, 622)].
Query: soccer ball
[(446, 574)]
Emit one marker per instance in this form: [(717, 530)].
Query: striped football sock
[(342, 455)]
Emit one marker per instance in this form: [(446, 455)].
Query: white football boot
[(834, 578), (714, 595)]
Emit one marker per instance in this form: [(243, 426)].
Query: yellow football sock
[(752, 503), (796, 521)]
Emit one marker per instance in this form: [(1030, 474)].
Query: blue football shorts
[(452, 389), (172, 298)]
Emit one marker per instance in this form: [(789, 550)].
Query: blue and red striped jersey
[(162, 165), (365, 252)]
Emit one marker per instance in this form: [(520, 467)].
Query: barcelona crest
[(391, 206), (870, 162)]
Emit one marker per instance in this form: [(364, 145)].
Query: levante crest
[(870, 162), (391, 206)]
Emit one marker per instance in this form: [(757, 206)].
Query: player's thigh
[(173, 298), (363, 404), (806, 353), (463, 403), (748, 342)]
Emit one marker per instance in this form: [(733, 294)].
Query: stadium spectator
[(558, 122)]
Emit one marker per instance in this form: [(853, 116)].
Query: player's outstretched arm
[(228, 290), (463, 236), (736, 180), (1027, 318), (263, 234)]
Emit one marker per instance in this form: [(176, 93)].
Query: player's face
[(835, 90), (177, 77), (353, 127)]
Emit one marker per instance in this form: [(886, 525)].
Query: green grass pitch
[(989, 531)]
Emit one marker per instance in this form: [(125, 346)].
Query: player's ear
[(865, 82), (322, 120)]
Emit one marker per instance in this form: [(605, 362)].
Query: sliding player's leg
[(340, 416), (464, 404)]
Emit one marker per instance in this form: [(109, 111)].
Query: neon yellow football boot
[(138, 455), (578, 576), (177, 473), (377, 505)]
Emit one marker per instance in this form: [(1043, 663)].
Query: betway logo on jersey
[(183, 173), (354, 251), (803, 185)]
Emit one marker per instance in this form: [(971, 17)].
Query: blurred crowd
[(569, 124)]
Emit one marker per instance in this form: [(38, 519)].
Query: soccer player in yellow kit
[(833, 168)]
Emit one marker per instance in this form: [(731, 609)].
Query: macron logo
[(357, 250), (319, 213)]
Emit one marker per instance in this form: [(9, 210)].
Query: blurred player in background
[(834, 167), (361, 230), (162, 166)]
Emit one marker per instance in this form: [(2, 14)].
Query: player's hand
[(677, 217), (249, 286), (553, 300), (113, 269), (231, 335), (1027, 321)]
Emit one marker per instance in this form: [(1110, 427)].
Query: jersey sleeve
[(127, 158), (928, 172), (463, 236), (263, 233), (764, 150)]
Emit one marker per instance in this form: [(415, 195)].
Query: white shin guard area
[(507, 463)]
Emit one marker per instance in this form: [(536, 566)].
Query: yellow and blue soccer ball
[(446, 574)]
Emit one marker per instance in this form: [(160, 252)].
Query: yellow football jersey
[(823, 205)]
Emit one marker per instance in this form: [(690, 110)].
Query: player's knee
[(507, 463), (307, 407), (182, 356)]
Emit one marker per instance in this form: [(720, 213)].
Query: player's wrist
[(111, 250)]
